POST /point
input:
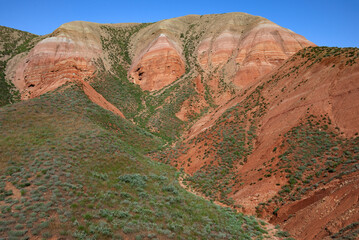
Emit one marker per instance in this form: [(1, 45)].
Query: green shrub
[(135, 180)]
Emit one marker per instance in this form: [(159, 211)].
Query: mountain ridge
[(252, 115)]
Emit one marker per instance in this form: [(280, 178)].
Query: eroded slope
[(12, 43), (239, 154)]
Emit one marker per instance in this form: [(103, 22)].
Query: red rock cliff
[(64, 56), (256, 50), (159, 65)]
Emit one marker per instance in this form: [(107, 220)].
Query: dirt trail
[(270, 228)]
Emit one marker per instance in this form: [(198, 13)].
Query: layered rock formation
[(66, 55), (159, 65), (244, 47), (255, 50)]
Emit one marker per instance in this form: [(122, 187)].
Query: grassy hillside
[(71, 169)]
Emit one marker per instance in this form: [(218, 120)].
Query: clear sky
[(324, 22)]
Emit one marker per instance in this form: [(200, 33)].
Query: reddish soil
[(326, 87), (195, 104), (324, 211), (241, 59), (99, 99), (16, 192)]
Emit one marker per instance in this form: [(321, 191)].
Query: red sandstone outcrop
[(65, 56), (324, 212), (158, 66), (244, 46), (256, 50)]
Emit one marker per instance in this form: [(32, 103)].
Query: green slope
[(71, 169)]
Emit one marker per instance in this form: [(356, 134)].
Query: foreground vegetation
[(66, 171)]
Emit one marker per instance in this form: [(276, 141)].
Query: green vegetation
[(80, 179), (13, 41), (8, 93), (154, 112), (191, 39), (314, 154), (118, 40), (231, 142), (319, 53), (161, 109), (350, 232)]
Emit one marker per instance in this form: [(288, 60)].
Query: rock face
[(159, 65), (66, 55), (99, 99), (245, 47), (255, 51), (242, 46)]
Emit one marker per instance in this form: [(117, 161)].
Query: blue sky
[(326, 23)]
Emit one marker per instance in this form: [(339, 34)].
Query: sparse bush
[(135, 180)]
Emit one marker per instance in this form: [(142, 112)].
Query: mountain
[(256, 119), (12, 42), (159, 51)]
